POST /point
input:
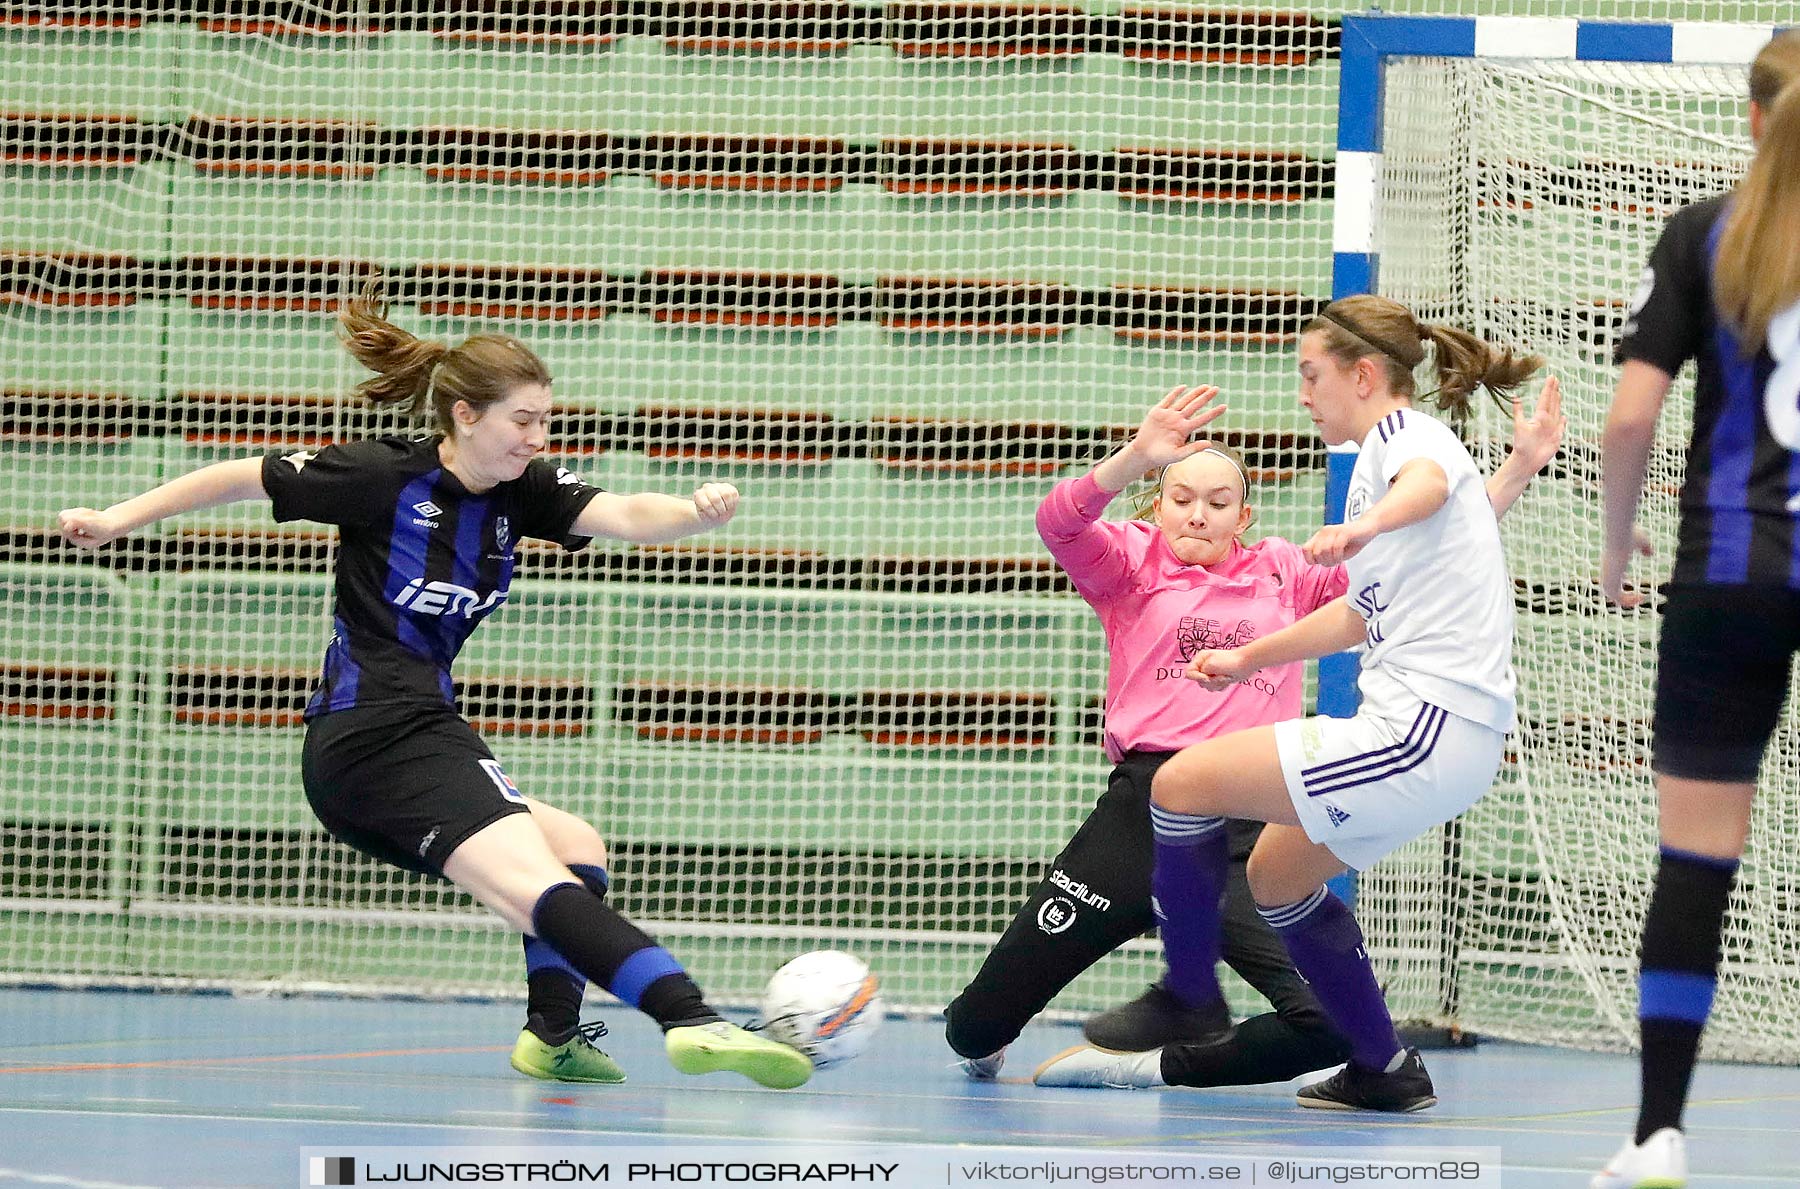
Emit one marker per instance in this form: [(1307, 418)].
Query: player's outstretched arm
[(1624, 458), (649, 518), (208, 487), (1536, 439)]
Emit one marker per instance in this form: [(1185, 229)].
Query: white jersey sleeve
[(1435, 597)]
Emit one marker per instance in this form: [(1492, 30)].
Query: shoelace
[(591, 1032)]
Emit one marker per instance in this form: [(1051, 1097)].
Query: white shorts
[(1368, 785)]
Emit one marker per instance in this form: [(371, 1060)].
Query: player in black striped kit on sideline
[(428, 532), (1722, 289)]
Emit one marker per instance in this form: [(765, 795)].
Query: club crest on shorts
[(502, 781)]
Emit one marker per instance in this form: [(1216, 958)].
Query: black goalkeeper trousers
[(1095, 898)]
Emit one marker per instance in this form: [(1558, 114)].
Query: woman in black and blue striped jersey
[(1722, 289), (428, 527)]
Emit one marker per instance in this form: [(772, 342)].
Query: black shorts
[(405, 784), (1721, 678)]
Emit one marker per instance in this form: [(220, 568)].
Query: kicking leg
[(509, 866)]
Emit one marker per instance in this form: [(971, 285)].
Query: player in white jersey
[(1430, 602), (1435, 603)]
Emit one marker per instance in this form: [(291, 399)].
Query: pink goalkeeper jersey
[(1159, 611)]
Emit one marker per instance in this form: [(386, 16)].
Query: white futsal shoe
[(1097, 1069), (983, 1069), (1660, 1162)]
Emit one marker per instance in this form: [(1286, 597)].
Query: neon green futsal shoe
[(574, 1060), (708, 1048)]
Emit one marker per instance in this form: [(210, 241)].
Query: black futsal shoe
[(1155, 1019), (1354, 1088)]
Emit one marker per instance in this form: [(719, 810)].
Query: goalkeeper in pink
[(1165, 588)]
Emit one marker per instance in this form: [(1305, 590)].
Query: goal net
[(1520, 198), (892, 270)]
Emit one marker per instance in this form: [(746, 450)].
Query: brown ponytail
[(1379, 328), (428, 376), (1465, 363)]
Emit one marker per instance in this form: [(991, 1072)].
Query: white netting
[(1521, 200), (891, 270)]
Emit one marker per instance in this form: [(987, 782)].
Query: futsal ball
[(826, 1004)]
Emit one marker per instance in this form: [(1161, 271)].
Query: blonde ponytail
[(1756, 273)]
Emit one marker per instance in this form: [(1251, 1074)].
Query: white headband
[(1235, 465)]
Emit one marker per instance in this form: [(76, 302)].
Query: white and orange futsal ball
[(824, 1003)]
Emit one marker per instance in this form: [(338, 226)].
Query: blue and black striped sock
[(1677, 975), (619, 956), (553, 988)]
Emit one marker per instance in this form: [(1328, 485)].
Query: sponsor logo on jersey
[(1193, 634), (446, 598), (1368, 603), (1079, 890)]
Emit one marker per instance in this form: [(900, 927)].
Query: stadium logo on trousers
[(1079, 890)]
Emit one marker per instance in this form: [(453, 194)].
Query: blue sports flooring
[(113, 1089)]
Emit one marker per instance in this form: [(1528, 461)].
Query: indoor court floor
[(130, 1089)]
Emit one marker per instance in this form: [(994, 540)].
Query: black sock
[(674, 1001), (613, 952), (553, 1005), (1677, 976)]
